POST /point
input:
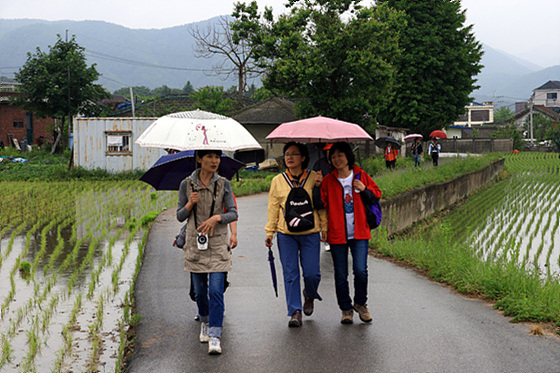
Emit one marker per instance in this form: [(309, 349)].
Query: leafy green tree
[(188, 88), (510, 131), (336, 56), (553, 134), (165, 91), (504, 115), (213, 99), (541, 125), (436, 73), (59, 84)]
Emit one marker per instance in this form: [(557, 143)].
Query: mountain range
[(153, 58)]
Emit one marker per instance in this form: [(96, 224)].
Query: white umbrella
[(197, 130)]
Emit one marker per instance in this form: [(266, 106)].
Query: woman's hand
[(358, 185), (268, 241), (323, 236), (233, 241), (208, 225), (319, 178), (192, 201)]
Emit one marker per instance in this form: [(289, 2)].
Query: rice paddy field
[(517, 220), (69, 255), (502, 243)]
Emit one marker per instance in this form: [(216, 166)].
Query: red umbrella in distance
[(438, 134)]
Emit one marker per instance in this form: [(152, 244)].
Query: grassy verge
[(441, 248)]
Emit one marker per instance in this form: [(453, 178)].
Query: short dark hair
[(202, 153), (302, 150), (345, 148)]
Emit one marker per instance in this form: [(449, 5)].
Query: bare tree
[(217, 40)]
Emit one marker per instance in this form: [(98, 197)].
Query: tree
[(213, 99), (436, 73), (541, 125), (336, 57), (510, 131), (237, 54), (59, 83), (188, 88), (553, 134), (504, 115)]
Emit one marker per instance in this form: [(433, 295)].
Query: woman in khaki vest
[(203, 197)]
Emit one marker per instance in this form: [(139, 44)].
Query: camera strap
[(211, 208)]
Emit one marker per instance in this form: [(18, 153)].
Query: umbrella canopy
[(273, 271), (168, 172), (413, 137), (438, 133), (197, 130), (318, 129), (383, 141)]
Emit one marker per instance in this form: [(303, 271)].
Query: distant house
[(521, 117), (476, 114), (262, 118), (17, 124), (548, 95)]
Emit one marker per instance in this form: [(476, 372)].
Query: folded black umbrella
[(273, 271), (168, 172)]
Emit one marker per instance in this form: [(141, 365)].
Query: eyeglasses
[(287, 155)]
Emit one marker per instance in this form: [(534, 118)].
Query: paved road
[(418, 326)]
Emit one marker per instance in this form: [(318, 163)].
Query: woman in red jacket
[(341, 194)]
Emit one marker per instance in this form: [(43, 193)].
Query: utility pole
[(132, 101), (531, 121)]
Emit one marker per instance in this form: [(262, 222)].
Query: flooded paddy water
[(82, 241), (518, 220)]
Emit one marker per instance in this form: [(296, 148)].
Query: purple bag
[(373, 210)]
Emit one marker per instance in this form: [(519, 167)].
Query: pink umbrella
[(413, 136), (318, 129)]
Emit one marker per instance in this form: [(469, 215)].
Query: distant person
[(416, 151), (434, 149), (390, 154)]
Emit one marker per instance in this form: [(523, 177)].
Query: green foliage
[(188, 88), (59, 83), (437, 73), (25, 267), (541, 125), (553, 134), (504, 115), (337, 66), (212, 99), (149, 218), (510, 131)]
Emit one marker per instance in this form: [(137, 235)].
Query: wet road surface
[(418, 325)]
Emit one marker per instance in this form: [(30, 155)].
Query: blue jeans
[(417, 160), (209, 292), (295, 250), (359, 251)]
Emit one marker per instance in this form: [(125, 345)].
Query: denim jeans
[(359, 251), (417, 160), (209, 292), (295, 250)]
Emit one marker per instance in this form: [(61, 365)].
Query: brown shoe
[(307, 305), (295, 320), (363, 311), (347, 316)]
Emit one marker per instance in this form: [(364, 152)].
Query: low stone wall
[(406, 209)]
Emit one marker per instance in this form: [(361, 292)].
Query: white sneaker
[(204, 337), (214, 347), (327, 247)]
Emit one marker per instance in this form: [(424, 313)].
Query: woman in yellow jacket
[(301, 247)]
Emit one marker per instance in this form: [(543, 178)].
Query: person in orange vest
[(390, 153)]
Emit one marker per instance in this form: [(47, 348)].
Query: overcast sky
[(525, 28)]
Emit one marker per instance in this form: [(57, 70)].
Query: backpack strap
[(301, 184)]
